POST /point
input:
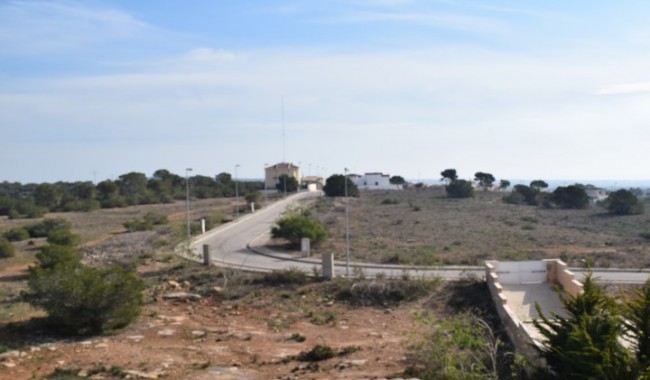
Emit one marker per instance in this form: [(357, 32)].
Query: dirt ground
[(211, 339)]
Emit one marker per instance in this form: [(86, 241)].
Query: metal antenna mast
[(283, 143)]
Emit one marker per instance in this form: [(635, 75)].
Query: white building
[(373, 181)]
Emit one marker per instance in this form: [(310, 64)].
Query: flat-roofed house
[(373, 181)]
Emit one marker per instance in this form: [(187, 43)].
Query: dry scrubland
[(243, 326), (252, 326), (425, 227)]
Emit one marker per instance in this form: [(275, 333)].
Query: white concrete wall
[(517, 331)]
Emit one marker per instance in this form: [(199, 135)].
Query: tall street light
[(347, 227), (187, 202), (236, 193), (266, 197)]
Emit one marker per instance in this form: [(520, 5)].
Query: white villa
[(373, 181)]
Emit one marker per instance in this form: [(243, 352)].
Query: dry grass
[(425, 227)]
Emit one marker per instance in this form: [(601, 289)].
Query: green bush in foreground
[(85, 300)]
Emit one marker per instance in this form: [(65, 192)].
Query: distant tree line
[(34, 200)]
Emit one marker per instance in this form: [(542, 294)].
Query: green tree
[(459, 189), (294, 227), (85, 300), (48, 196), (504, 184), (584, 343), (538, 184), (570, 197), (397, 180), (485, 180), (287, 184), (449, 175), (224, 178), (624, 202), (133, 186), (636, 313), (109, 194), (253, 197), (335, 186)]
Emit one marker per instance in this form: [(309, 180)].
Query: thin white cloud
[(625, 88), (456, 21), (39, 27)]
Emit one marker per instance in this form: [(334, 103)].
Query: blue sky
[(537, 89)]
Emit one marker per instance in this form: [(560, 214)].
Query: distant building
[(309, 180), (272, 174), (373, 181), (596, 194)]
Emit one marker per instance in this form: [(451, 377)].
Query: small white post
[(304, 246), (202, 226)]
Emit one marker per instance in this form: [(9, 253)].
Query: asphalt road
[(232, 246)]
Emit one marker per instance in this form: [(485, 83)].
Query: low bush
[(85, 300), (386, 292), (291, 276), (63, 237), (294, 227), (17, 234), (317, 353), (460, 189), (46, 226), (52, 255), (6, 249)]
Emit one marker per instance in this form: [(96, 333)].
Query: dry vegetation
[(247, 326), (242, 326), (425, 227)]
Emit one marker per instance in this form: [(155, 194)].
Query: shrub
[(514, 198), (285, 277), (460, 189), (294, 227), (317, 353), (624, 202), (17, 234), (386, 292), (84, 300), (63, 237), (155, 218), (137, 224), (50, 256), (253, 197), (570, 197), (6, 249), (45, 227), (335, 186)]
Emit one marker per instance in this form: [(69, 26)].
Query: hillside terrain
[(236, 325)]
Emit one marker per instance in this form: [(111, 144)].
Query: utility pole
[(347, 227), (187, 202)]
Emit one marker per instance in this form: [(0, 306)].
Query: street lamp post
[(347, 227), (236, 193), (187, 202), (266, 197)]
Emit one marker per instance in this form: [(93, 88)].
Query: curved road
[(232, 246)]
